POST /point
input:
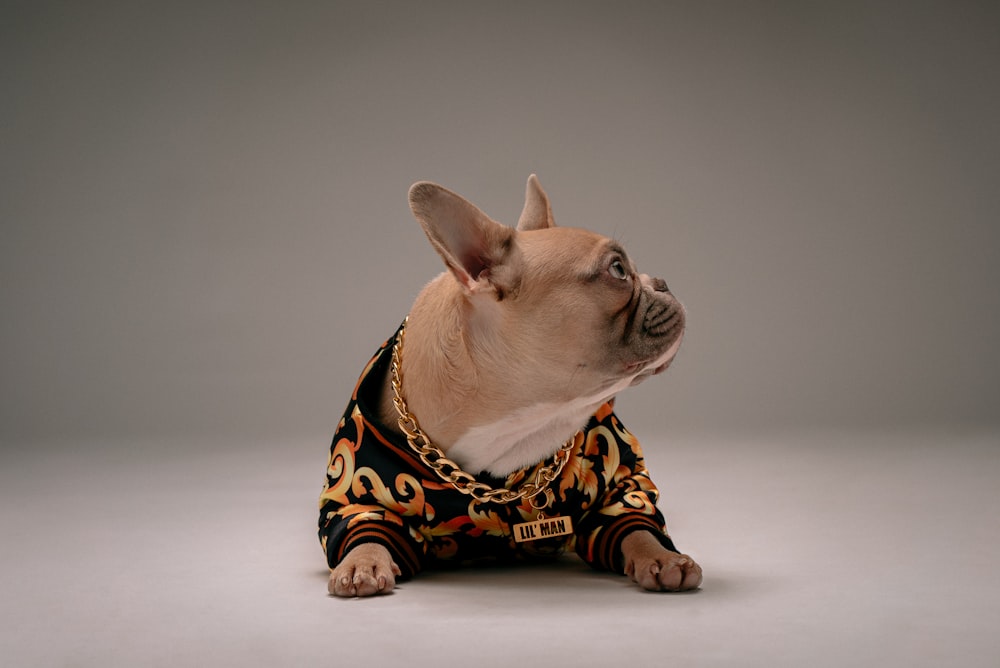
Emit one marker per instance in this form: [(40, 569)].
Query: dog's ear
[(537, 212), (471, 244)]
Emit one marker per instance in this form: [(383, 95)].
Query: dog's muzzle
[(664, 315), (661, 319)]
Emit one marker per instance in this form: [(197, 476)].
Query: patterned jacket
[(378, 490)]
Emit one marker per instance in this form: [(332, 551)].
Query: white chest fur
[(521, 439), (525, 437)]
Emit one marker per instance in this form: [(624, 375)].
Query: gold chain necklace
[(466, 483)]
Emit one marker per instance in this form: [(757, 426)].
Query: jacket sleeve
[(356, 506), (628, 501), (344, 527)]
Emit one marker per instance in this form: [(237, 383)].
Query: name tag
[(550, 527)]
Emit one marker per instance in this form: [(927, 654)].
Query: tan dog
[(507, 355)]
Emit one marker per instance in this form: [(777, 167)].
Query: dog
[(484, 428)]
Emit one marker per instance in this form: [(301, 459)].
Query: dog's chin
[(643, 369), (648, 371)]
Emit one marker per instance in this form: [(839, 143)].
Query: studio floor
[(833, 549)]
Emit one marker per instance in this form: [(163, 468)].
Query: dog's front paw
[(655, 568), (366, 570)]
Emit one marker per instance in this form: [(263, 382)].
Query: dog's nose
[(659, 285)]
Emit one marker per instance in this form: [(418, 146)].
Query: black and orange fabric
[(378, 490)]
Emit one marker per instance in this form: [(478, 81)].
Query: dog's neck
[(456, 383), (435, 368)]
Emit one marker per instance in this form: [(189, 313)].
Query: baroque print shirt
[(377, 490)]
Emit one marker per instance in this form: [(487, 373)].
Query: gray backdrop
[(205, 229)]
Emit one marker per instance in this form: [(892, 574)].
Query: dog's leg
[(366, 570), (656, 568)]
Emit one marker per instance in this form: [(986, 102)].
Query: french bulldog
[(490, 434)]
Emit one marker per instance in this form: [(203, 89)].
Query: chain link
[(452, 473)]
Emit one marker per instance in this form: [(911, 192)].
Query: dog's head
[(561, 312)]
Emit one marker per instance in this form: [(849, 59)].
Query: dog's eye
[(617, 269)]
